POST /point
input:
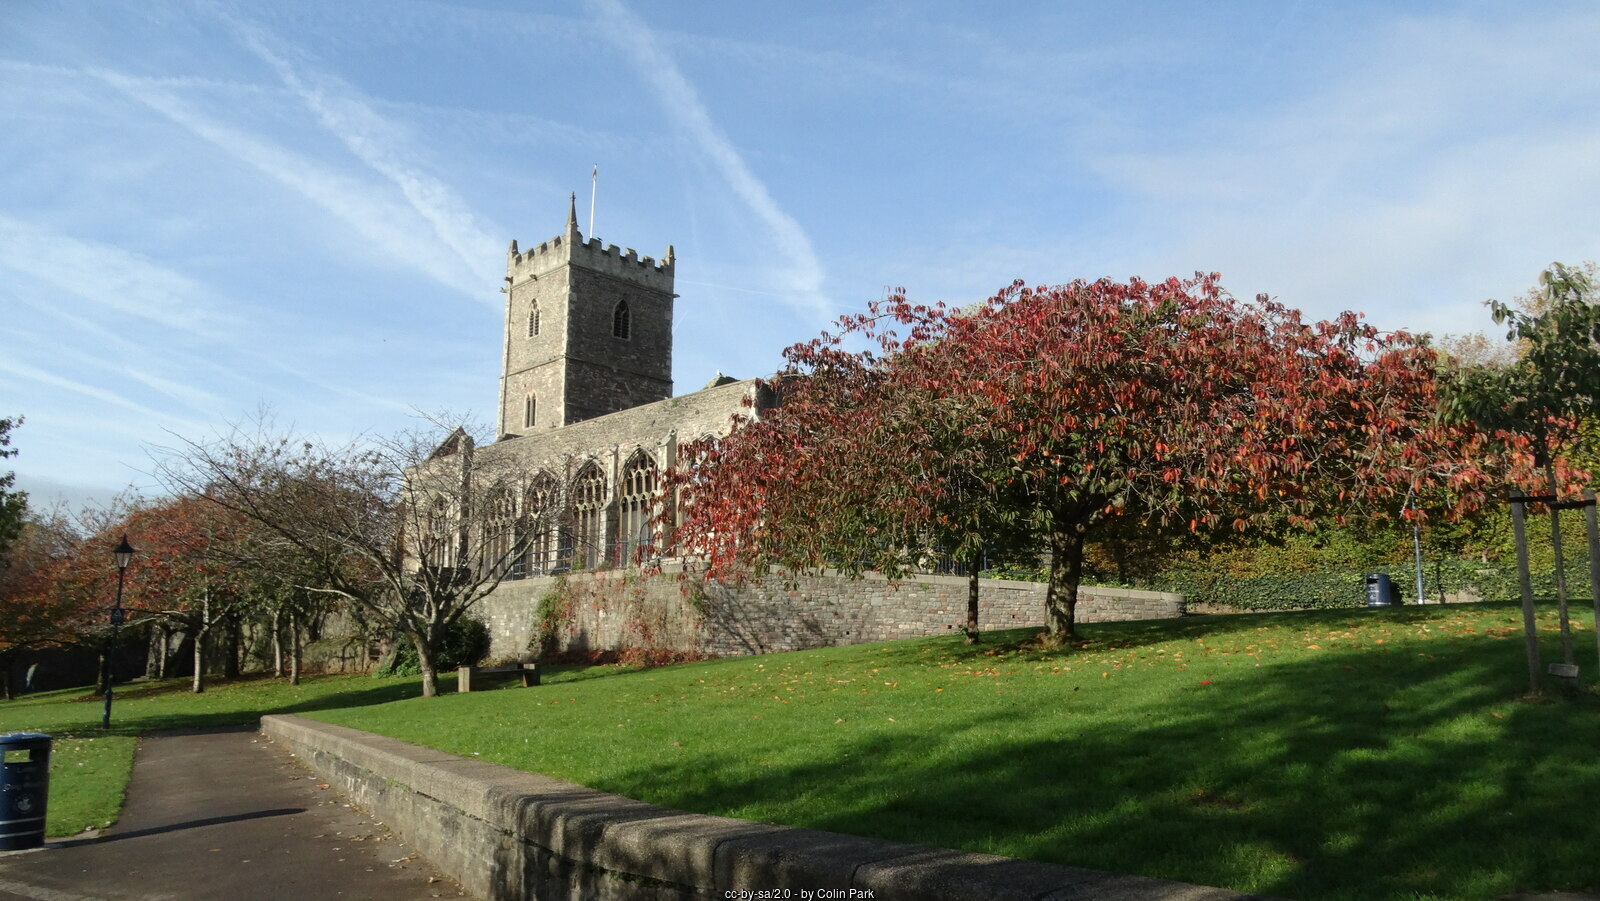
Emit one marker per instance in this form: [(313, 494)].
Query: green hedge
[(1347, 587)]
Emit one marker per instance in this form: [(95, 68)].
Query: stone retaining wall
[(505, 834), (682, 612)]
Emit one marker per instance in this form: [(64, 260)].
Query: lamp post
[(123, 555)]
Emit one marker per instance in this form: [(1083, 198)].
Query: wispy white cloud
[(1429, 175), (142, 288), (377, 142), (34, 374), (803, 277), (117, 356), (389, 226)]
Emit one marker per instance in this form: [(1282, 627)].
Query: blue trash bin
[(24, 789), (1380, 591)]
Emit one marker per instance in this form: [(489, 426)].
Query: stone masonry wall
[(507, 835), (623, 609), (651, 426)]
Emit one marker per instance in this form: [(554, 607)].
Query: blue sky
[(211, 207)]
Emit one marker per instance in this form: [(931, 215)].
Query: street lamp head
[(123, 553)]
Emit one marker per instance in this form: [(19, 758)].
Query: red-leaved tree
[(1059, 410)]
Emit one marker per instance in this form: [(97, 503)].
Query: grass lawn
[(1335, 754), (89, 767)]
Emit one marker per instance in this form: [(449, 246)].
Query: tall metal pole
[(1416, 544), (111, 645), (1520, 531)]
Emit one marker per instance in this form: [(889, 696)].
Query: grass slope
[(1331, 754), (89, 766)]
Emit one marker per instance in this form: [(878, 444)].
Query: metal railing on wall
[(579, 557), (569, 558)]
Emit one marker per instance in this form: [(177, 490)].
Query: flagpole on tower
[(594, 186)]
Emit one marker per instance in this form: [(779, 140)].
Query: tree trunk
[(277, 643), (294, 647), (200, 630), (1525, 586), (1561, 570), (104, 676), (1066, 571), (154, 652), (430, 679), (972, 597), (199, 683), (166, 644)]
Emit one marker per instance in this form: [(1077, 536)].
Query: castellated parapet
[(608, 259)]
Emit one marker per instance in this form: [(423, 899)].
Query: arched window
[(533, 321), (636, 504), (499, 532), (620, 323), (438, 539), (530, 407), (588, 514), (536, 527)]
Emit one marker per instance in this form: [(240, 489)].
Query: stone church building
[(586, 403)]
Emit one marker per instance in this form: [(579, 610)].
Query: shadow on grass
[(1356, 773), (132, 720), (1134, 634)]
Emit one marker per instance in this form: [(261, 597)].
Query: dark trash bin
[(1381, 590), (24, 789)]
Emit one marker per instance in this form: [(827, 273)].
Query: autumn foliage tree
[(1166, 406), (191, 573), (1549, 396), (33, 613)]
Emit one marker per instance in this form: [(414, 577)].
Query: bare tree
[(412, 531)]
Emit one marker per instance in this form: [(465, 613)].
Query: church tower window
[(533, 321), (619, 320), (529, 408)]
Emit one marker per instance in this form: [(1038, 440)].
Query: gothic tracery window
[(536, 526), (588, 512), (438, 546), (533, 321), (499, 530), (636, 504)]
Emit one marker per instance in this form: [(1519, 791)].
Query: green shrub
[(549, 618), (1337, 588), (465, 643)]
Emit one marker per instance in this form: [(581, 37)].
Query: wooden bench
[(529, 671)]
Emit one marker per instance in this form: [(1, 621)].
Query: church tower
[(588, 332)]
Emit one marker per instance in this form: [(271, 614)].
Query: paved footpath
[(225, 815)]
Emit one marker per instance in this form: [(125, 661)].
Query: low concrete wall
[(674, 611), (505, 834)]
